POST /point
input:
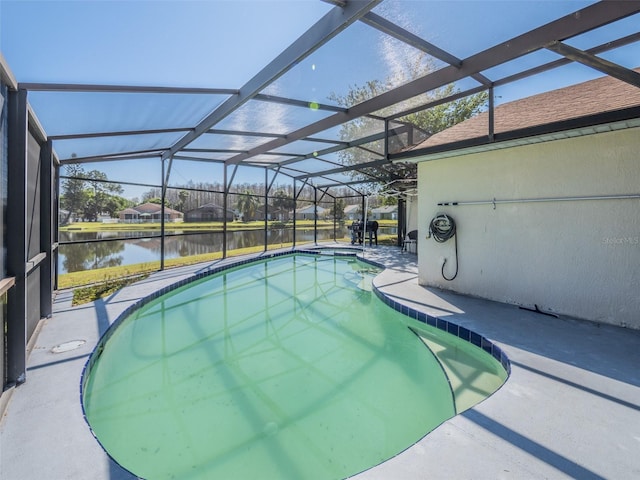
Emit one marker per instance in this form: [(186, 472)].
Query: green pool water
[(286, 368)]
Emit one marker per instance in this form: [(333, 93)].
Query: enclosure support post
[(266, 208), (295, 202), (402, 221), (162, 200), (335, 218), (17, 241), (46, 235), (56, 225), (315, 215), (491, 114), (225, 201)]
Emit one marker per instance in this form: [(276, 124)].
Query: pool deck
[(570, 409)]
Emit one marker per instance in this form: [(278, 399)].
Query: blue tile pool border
[(451, 328)]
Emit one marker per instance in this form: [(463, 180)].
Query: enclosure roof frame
[(551, 37)]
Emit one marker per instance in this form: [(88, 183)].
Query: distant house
[(149, 212), (129, 215), (280, 214), (209, 212), (388, 212), (273, 213), (307, 213), (352, 212)]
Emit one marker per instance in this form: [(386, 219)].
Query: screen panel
[(33, 197)]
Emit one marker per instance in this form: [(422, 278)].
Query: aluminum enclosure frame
[(552, 37)]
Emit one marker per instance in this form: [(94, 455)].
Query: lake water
[(129, 248)]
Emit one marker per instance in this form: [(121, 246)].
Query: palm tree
[(247, 205)]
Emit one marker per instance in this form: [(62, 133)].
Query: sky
[(222, 44), (183, 43)]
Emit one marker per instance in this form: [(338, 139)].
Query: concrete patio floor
[(570, 409)]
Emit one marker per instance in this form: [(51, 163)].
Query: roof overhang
[(548, 132), (6, 76)]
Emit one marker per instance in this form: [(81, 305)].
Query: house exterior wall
[(352, 212), (384, 214), (128, 217), (277, 214), (149, 213), (169, 217), (307, 213), (208, 214), (575, 258)]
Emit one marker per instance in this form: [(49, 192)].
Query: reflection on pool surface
[(285, 368)]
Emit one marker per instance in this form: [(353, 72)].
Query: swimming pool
[(283, 368)]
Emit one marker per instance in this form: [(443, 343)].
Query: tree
[(102, 191), (283, 201), (152, 196), (73, 197), (420, 125), (247, 205), (183, 195), (114, 204), (389, 200), (89, 194), (337, 209)]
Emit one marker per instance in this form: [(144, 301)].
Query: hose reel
[(442, 228)]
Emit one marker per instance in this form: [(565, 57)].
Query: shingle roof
[(310, 208), (147, 208), (154, 208), (211, 205), (129, 211), (588, 98)]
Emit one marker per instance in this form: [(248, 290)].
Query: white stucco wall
[(578, 258)]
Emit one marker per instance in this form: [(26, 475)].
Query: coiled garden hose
[(442, 228)]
